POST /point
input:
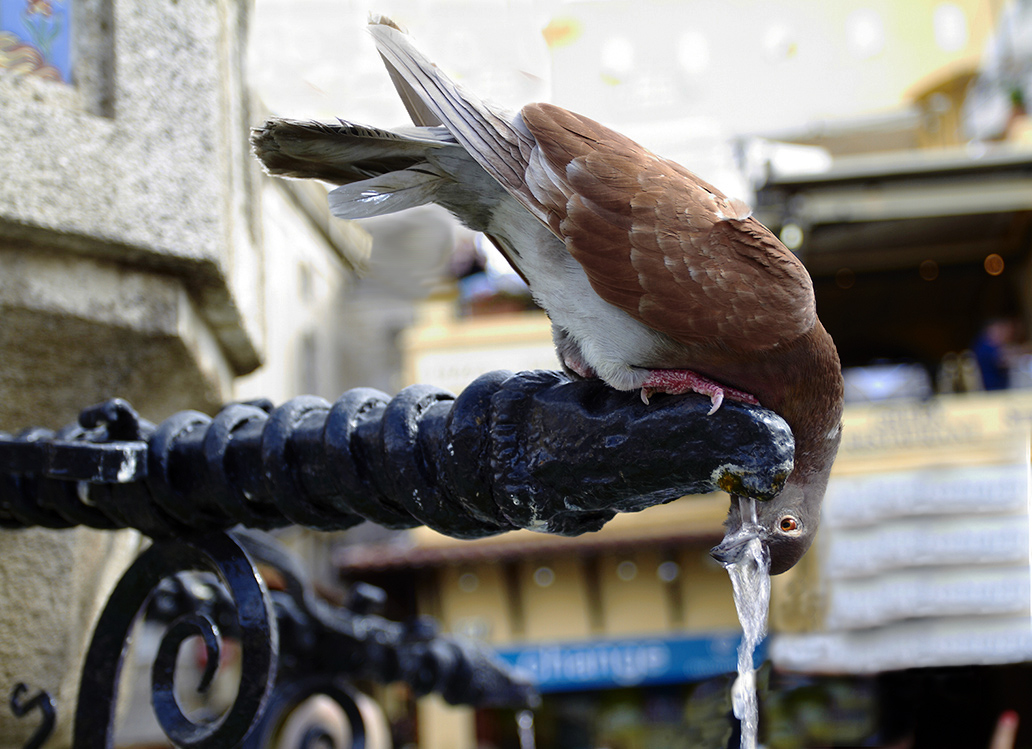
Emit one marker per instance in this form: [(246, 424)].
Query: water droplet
[(525, 727)]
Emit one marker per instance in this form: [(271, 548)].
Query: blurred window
[(35, 38)]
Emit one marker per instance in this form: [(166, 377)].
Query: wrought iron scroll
[(40, 702), (293, 645), (256, 629), (532, 450)]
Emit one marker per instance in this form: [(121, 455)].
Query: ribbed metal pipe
[(531, 450)]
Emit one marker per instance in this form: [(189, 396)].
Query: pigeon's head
[(786, 525)]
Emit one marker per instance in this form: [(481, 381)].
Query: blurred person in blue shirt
[(995, 349)]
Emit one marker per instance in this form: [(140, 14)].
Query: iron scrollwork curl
[(40, 702), (293, 646), (290, 696), (256, 629)]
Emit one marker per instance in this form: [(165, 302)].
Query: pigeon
[(653, 279)]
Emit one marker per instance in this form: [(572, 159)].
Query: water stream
[(525, 728), (750, 579)]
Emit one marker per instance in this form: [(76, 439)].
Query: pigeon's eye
[(788, 524)]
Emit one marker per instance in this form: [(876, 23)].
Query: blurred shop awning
[(689, 520), (895, 209)]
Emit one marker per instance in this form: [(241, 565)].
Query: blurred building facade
[(625, 630)]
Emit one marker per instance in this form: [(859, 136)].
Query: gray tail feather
[(340, 152), (387, 193), (379, 171)]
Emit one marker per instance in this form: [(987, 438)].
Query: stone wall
[(130, 264)]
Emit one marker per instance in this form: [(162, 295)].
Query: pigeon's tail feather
[(385, 194), (380, 171), (341, 152)]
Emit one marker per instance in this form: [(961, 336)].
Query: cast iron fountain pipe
[(531, 450)]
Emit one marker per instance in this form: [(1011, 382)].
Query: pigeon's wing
[(660, 243), (491, 135), (653, 238)]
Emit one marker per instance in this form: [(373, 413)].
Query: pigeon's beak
[(732, 548)]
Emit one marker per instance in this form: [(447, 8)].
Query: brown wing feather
[(663, 245), (648, 233)]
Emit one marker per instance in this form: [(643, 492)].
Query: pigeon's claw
[(680, 381)]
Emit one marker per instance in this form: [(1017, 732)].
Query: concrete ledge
[(78, 330), (146, 161)]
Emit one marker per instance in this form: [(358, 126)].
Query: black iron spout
[(531, 450)]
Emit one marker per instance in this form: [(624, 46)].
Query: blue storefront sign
[(607, 664)]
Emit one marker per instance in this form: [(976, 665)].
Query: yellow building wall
[(587, 595), (634, 599), (444, 726), (560, 610), (707, 597), (450, 351), (474, 601), (624, 596)]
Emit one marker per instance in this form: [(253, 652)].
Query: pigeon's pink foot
[(680, 381), (579, 367)]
